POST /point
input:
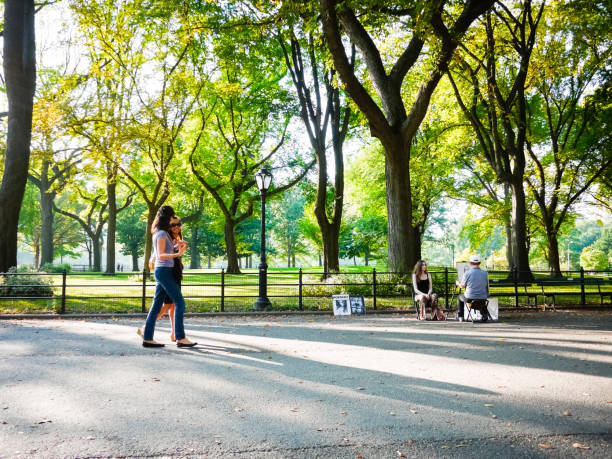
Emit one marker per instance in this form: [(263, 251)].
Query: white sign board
[(462, 267), (492, 307), (342, 305)]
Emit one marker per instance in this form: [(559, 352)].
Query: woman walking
[(167, 304), (165, 254)]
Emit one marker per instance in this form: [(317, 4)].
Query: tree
[(495, 69), (394, 126), (321, 114), (285, 223), (594, 259), (20, 77), (227, 153), (53, 158), (566, 158), (131, 231)]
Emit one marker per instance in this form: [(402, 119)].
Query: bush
[(32, 285), (337, 284), (51, 268)]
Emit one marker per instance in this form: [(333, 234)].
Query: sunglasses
[(179, 224)]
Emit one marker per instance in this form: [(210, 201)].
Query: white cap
[(475, 259)]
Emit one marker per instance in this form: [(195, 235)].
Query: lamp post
[(263, 179)]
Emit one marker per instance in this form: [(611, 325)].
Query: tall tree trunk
[(331, 248), (402, 243), (320, 261), (148, 235), (97, 253), (509, 232), (111, 230), (37, 255), (288, 253), (230, 247), (553, 251), (367, 255), (20, 78), (519, 212), (135, 262), (209, 262), (46, 214), (195, 263)]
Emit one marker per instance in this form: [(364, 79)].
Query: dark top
[(423, 285)]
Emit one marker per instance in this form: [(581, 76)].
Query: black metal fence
[(28, 292)]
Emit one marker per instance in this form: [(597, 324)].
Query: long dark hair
[(417, 267), (162, 219)]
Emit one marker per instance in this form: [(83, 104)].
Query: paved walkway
[(534, 385)]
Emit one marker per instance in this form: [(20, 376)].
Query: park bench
[(551, 288), (520, 289)]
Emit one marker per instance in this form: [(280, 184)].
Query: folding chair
[(478, 305)]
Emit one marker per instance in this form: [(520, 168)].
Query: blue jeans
[(166, 286)]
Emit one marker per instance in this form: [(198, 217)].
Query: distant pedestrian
[(166, 283)]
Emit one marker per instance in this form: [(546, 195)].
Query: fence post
[(63, 309), (446, 288), (222, 289), (582, 295), (144, 290), (374, 288), (301, 305)]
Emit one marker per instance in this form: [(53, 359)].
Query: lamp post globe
[(263, 178)]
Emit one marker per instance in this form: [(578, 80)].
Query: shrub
[(51, 268), (32, 285)]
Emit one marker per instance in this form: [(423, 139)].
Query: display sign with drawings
[(345, 305), (357, 305)]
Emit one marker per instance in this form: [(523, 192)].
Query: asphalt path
[(532, 385)]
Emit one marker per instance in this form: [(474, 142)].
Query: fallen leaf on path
[(237, 409), (45, 421), (155, 379), (359, 456), (545, 445), (567, 413), (410, 442), (580, 446), (344, 413), (488, 404), (319, 430), (413, 411), (361, 388), (444, 447), (391, 413), (501, 387), (502, 339), (400, 454), (3, 422), (295, 410)]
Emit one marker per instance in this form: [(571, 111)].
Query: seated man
[(476, 284)]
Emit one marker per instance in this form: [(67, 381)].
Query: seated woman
[(423, 292)]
